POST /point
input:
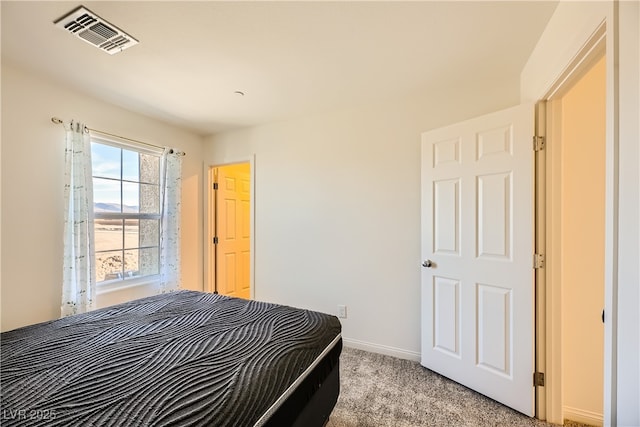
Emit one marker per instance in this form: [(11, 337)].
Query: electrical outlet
[(342, 311)]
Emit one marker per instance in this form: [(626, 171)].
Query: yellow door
[(233, 230)]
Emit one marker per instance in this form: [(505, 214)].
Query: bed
[(182, 359)]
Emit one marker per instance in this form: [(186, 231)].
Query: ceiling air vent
[(94, 30)]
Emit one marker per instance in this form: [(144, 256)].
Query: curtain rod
[(58, 121)]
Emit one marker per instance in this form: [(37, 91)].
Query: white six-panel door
[(477, 247)]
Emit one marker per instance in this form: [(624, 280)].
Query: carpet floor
[(379, 391)]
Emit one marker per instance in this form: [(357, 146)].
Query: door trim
[(548, 290), (209, 224), (540, 247)]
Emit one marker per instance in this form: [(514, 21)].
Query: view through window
[(126, 196)]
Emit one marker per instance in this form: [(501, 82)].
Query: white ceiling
[(289, 58)]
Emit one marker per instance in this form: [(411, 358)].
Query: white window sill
[(121, 285)]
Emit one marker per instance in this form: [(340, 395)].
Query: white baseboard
[(582, 416), (381, 349)]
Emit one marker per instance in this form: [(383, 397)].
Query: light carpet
[(379, 390)]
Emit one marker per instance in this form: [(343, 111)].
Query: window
[(126, 203)]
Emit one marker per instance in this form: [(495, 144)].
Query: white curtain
[(78, 277), (170, 221)]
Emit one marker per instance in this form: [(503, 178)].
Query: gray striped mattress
[(181, 359)]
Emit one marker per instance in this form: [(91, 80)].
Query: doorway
[(230, 230), (575, 244)]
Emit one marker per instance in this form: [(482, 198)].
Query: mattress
[(181, 359)]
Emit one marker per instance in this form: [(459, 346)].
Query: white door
[(477, 247)]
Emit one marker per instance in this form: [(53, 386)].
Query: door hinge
[(215, 240), (215, 185), (538, 143), (538, 260), (538, 379)]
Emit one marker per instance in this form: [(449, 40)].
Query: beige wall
[(628, 269), (337, 199), (32, 191), (582, 246)]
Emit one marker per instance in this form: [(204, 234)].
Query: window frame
[(123, 144)]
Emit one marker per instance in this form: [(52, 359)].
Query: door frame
[(209, 224), (548, 290)]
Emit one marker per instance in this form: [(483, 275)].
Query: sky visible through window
[(108, 164)]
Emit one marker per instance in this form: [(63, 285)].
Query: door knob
[(427, 263)]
